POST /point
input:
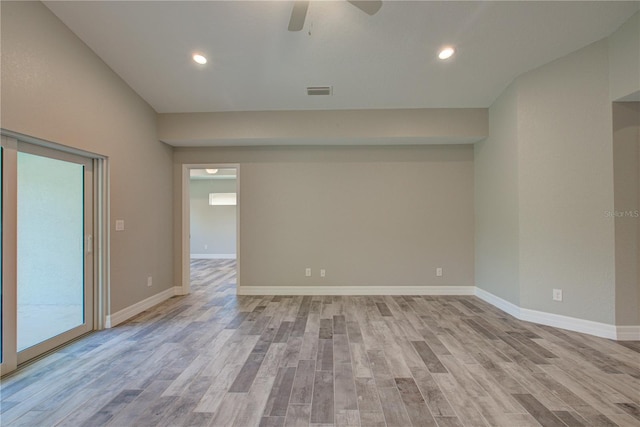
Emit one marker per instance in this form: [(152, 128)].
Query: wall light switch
[(439, 271), (119, 224), (307, 272)]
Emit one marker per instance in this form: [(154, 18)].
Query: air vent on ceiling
[(319, 90)]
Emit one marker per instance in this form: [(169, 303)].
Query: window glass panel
[(50, 248)]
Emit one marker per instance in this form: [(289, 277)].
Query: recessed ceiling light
[(446, 52), (211, 171), (199, 59)]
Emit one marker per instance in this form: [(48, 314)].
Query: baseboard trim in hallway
[(213, 256)]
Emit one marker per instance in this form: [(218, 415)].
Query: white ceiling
[(383, 61)]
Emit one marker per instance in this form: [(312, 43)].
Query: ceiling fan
[(299, 11)]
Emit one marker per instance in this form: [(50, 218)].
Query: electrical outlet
[(323, 272), (119, 224), (439, 271), (307, 272), (149, 281), (557, 294)]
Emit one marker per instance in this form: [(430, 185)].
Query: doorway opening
[(212, 214)]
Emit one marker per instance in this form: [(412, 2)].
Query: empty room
[(320, 213)]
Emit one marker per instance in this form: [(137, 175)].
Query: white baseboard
[(356, 290), (590, 327), (213, 256), (603, 330), (180, 290), (498, 302), (137, 308), (598, 329)]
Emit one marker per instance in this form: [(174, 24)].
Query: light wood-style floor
[(214, 359)]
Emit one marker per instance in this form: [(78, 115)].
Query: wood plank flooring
[(214, 359)]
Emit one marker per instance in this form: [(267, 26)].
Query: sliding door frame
[(9, 262), (99, 257)]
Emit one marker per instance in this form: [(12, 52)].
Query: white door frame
[(186, 220)]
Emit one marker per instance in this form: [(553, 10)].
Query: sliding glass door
[(52, 299)]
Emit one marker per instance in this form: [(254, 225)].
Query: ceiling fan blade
[(298, 15), (370, 7)]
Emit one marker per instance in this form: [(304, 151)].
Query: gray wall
[(369, 216), (547, 174), (496, 201), (213, 228), (626, 158), (55, 88), (565, 181)]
